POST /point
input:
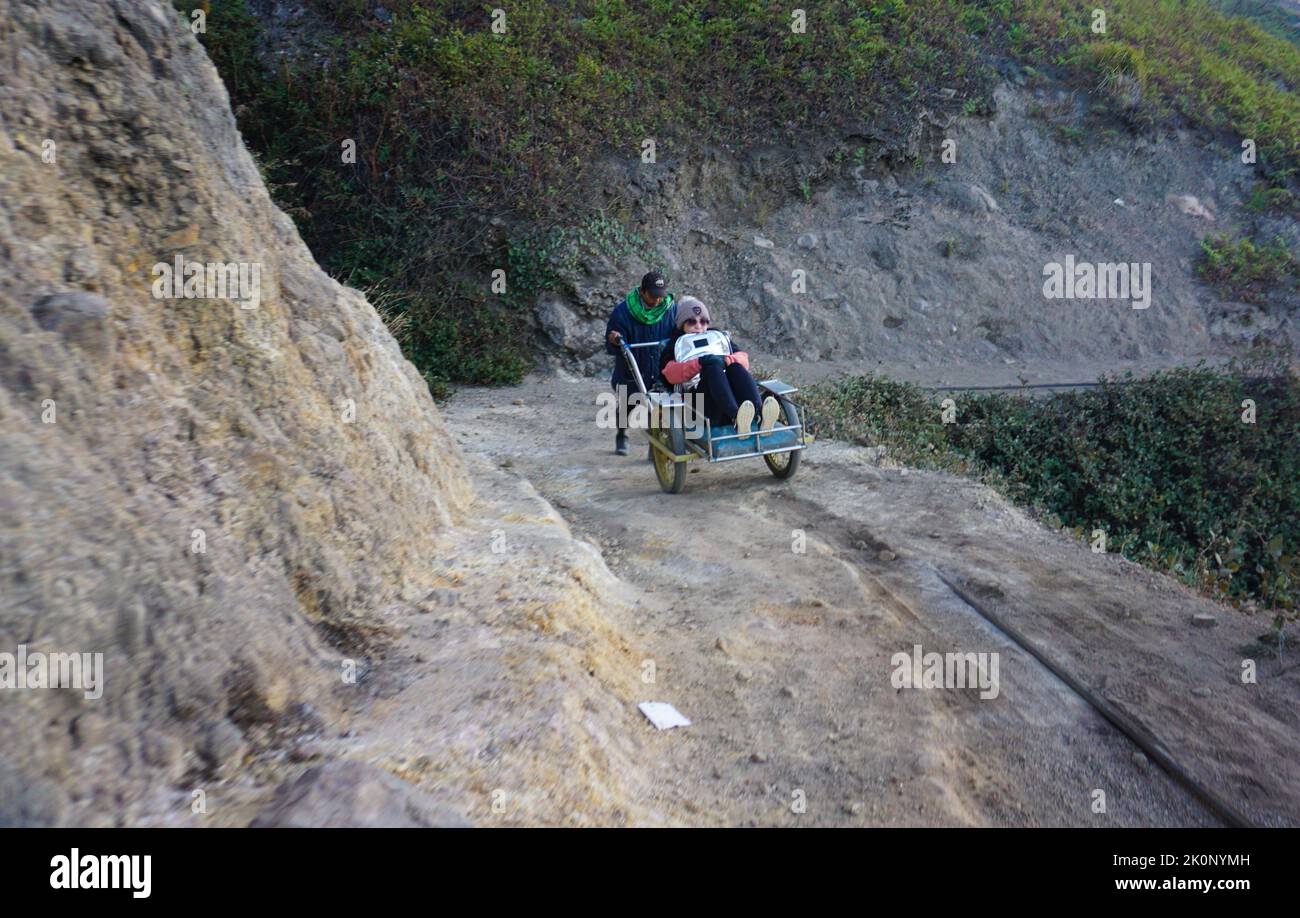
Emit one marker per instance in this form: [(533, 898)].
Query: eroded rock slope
[(222, 500)]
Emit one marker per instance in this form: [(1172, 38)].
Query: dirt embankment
[(239, 494)]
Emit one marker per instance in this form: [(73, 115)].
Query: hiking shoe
[(771, 408), (744, 417), (620, 444)]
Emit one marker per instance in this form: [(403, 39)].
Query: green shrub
[(1265, 198), (1243, 270), (1164, 465), (1112, 59), (1122, 72)]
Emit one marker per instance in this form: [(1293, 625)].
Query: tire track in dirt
[(783, 659), (1085, 611)]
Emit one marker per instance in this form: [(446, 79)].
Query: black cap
[(654, 284)]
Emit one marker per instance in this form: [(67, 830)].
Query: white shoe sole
[(771, 408), (744, 418)]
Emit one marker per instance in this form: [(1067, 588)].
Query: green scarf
[(641, 313)]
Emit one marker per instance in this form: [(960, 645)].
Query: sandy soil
[(782, 659)]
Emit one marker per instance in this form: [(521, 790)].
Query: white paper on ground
[(663, 715)]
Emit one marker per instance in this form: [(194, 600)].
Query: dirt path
[(783, 659)]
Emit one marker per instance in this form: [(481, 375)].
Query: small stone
[(788, 692), (162, 751), (721, 644), (518, 401), (304, 753), (1204, 620), (807, 241), (223, 745), (743, 675), (81, 318), (438, 599), (1201, 692), (1190, 206), (90, 730), (80, 266), (763, 243), (853, 809), (758, 757), (885, 555)]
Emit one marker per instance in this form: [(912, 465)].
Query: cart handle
[(631, 362)]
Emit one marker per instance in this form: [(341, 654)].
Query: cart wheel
[(672, 475), (784, 465)]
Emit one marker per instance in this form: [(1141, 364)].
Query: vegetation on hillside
[(463, 134), (1244, 270), (473, 146), (1279, 17), (1173, 468), (1189, 58)]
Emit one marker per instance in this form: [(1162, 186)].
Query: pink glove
[(676, 372)]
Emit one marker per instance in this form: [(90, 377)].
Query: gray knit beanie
[(689, 307)]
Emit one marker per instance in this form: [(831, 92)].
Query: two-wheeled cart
[(679, 435)]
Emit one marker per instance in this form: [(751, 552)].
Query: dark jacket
[(634, 332)]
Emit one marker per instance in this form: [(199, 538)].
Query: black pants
[(724, 388)]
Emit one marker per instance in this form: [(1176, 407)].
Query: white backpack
[(689, 347)]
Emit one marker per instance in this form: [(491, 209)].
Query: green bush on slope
[(1165, 465)]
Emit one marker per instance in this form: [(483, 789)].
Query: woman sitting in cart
[(719, 372)]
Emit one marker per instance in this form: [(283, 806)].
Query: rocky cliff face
[(868, 259), (221, 492)]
